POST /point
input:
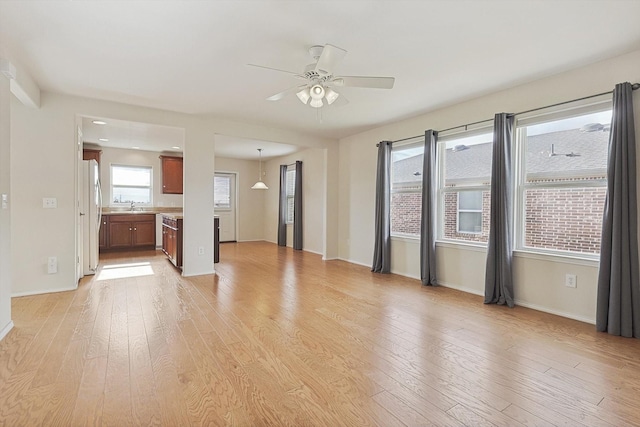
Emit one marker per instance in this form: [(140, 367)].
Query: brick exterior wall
[(568, 219), (406, 209), (451, 219)]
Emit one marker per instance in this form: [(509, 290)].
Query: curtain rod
[(633, 87)]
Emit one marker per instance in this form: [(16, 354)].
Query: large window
[(291, 192), (406, 189), (562, 180), (464, 190), (131, 185)]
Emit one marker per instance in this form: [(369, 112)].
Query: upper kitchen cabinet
[(171, 175), (91, 154)]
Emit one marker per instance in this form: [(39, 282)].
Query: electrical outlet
[(49, 202), (201, 250), (52, 265), (571, 281)]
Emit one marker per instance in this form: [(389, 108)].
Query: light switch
[(5, 201), (49, 202)]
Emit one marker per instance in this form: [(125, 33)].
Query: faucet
[(133, 206)]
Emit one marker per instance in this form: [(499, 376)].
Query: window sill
[(408, 239), (586, 260), (456, 244)]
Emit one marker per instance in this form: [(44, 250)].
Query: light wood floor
[(282, 338)]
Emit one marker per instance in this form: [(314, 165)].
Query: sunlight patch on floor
[(121, 271)]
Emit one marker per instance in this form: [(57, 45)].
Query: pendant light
[(260, 185)]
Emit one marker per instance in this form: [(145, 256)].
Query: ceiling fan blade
[(276, 69), (340, 102), (330, 56), (360, 81), (280, 95)]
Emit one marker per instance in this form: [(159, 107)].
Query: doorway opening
[(225, 204)]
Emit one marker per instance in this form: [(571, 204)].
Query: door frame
[(79, 255), (235, 198)]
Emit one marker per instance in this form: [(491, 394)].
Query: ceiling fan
[(319, 79)]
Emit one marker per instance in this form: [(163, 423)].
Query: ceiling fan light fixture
[(316, 103), (317, 92), (304, 95), (331, 95)]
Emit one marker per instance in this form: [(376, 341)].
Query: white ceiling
[(192, 56), (144, 136)]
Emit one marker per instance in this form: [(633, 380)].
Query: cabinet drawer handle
[(129, 228), (135, 229)]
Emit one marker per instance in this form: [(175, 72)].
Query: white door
[(224, 186), (79, 207)]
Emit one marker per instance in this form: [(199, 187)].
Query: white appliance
[(91, 211)]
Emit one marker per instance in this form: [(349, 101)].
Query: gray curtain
[(428, 219), (282, 210), (297, 208), (498, 286), (618, 310), (382, 248)]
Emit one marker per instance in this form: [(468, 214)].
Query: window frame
[(478, 211), (226, 176), (521, 186), (410, 144), (485, 128), (291, 172), (112, 185)]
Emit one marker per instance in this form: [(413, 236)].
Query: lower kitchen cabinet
[(130, 231), (172, 239), (104, 233)]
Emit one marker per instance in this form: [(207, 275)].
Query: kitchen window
[(131, 185)]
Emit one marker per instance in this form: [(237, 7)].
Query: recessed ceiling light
[(136, 148), (104, 140), (99, 122), (175, 147)]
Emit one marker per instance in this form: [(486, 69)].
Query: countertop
[(172, 215), (162, 210)]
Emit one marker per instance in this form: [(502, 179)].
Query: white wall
[(43, 163), (249, 203), (538, 281), (121, 156), (5, 214), (313, 199)]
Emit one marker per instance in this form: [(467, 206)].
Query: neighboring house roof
[(574, 152)]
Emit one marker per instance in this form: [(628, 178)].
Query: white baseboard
[(43, 291), (555, 312), (460, 288), (354, 262), (6, 329)]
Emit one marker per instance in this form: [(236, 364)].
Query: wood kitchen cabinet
[(172, 239), (91, 154), (104, 233), (131, 231), (171, 174)]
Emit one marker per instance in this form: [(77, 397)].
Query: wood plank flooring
[(281, 338)]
